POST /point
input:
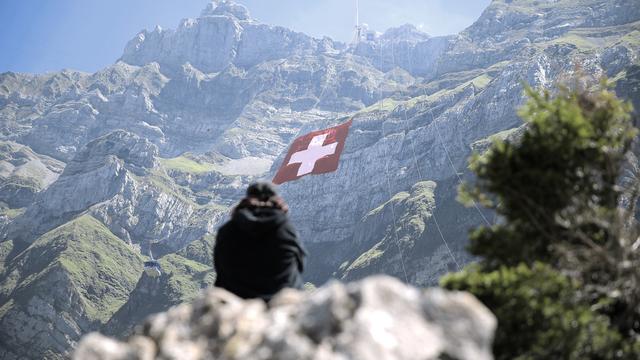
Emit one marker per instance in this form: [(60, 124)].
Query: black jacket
[(257, 254)]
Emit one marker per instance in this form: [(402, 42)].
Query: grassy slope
[(183, 276), (200, 250), (101, 267), (480, 81), (412, 210), (5, 250), (187, 165)]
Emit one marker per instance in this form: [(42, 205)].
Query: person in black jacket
[(257, 252)]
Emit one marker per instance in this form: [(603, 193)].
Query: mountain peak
[(228, 8), (407, 32)]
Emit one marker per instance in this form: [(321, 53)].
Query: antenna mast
[(358, 34)]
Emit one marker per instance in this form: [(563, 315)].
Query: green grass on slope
[(6, 210), (181, 281), (185, 277), (534, 6), (632, 38), (596, 39), (165, 184), (5, 308), (200, 250), (396, 199), (479, 82), (33, 184), (572, 38), (417, 210), (412, 209), (12, 213), (186, 165), (101, 267), (367, 258), (5, 249)]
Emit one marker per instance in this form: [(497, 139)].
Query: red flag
[(317, 152)]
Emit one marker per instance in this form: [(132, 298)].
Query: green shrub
[(568, 160), (557, 191), (539, 316)]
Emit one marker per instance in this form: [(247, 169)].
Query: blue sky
[(49, 35)]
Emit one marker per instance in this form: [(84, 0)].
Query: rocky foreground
[(377, 318)]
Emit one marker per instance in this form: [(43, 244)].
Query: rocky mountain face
[(24, 173), (151, 152), (119, 180), (377, 318)]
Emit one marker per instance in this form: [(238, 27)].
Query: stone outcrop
[(378, 318), (24, 173), (118, 179)]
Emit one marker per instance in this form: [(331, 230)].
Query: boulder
[(377, 318)]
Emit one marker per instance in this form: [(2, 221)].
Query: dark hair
[(262, 195), (262, 191)]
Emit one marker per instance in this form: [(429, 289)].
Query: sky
[(39, 36)]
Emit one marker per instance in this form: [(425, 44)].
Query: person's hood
[(260, 219)]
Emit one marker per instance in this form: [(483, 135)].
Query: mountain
[(68, 282), (150, 153)]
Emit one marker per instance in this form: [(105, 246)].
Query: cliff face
[(119, 180), (24, 173), (156, 148)]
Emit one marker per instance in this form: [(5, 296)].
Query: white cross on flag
[(317, 152)]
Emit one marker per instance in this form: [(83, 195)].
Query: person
[(257, 253)]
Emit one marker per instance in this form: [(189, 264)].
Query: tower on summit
[(362, 31)]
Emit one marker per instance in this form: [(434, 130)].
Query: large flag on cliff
[(317, 152)]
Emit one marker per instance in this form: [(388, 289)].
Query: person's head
[(262, 191), (262, 195)]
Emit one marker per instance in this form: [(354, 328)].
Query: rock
[(406, 32), (118, 179), (134, 151), (24, 173), (377, 318), (410, 238), (98, 347)]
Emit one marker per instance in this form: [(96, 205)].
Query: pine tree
[(563, 245)]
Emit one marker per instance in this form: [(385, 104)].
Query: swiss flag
[(317, 152)]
